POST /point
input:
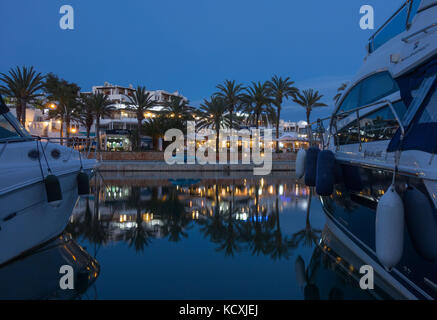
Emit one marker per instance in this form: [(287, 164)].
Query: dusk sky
[(192, 45)]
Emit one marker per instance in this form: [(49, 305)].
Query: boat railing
[(423, 30), (333, 129), (372, 46), (86, 147)]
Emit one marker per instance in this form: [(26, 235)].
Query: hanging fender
[(389, 229), (311, 166), (83, 184), (53, 188), (300, 163), (325, 177)]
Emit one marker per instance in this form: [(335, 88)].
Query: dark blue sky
[(191, 45)]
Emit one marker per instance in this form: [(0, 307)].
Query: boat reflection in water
[(210, 237), (333, 274), (36, 275)]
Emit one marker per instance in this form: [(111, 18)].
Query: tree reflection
[(237, 217), (278, 246), (308, 236)]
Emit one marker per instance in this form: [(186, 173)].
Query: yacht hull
[(351, 218), (27, 220)]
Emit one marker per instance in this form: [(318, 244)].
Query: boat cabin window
[(377, 87), (352, 99), (369, 90), (375, 126), (7, 130)]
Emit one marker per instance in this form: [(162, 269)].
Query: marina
[(248, 191)]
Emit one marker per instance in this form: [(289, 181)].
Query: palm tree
[(156, 128), (257, 101), (66, 96), (84, 114), (340, 92), (309, 99), (280, 89), (140, 102), (178, 109), (232, 94), (214, 116), (100, 106), (22, 84)]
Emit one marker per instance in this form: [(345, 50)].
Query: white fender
[(300, 163), (300, 272), (389, 233)]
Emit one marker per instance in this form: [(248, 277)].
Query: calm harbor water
[(207, 236)]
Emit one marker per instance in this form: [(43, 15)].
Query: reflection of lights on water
[(281, 190), (241, 216), (303, 205), (195, 215), (260, 191), (127, 225)]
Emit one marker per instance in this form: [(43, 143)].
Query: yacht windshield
[(397, 24), (7, 130), (418, 91)]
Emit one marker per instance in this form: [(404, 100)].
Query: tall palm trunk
[(18, 110), (310, 135), (277, 129), (88, 133), (23, 112), (67, 129), (231, 116), (138, 147), (98, 132), (61, 132), (217, 141)]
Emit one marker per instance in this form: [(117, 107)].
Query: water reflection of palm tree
[(213, 227), (174, 217), (140, 236), (231, 238), (308, 235), (96, 231), (278, 246)]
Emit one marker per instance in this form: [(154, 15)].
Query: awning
[(418, 91)]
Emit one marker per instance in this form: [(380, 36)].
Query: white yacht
[(376, 174), (39, 187)]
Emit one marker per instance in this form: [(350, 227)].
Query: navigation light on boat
[(389, 231)]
